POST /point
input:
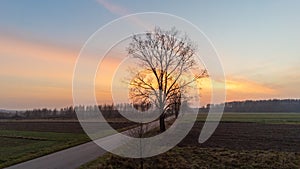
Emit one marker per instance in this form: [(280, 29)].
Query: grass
[(196, 157), (270, 118), (22, 140), (19, 146)]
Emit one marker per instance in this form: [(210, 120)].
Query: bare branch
[(168, 57)]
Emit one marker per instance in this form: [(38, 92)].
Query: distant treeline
[(108, 111), (274, 105), (111, 111)]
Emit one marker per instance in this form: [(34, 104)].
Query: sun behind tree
[(167, 59)]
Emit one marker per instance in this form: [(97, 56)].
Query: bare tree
[(166, 57)]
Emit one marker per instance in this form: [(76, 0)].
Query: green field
[(22, 140), (18, 146), (272, 118)]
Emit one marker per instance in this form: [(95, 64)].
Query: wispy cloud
[(34, 73), (238, 89), (114, 8), (244, 89), (245, 86), (26, 47), (122, 11)]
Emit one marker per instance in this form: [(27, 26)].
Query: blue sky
[(258, 40), (72, 22)]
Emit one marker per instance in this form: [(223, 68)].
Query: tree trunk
[(142, 163), (177, 108), (162, 123)]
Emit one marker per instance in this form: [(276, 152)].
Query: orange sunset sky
[(38, 48)]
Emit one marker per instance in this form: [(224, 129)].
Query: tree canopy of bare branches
[(166, 57)]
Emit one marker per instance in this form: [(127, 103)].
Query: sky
[(257, 41)]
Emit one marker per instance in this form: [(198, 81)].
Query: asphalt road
[(76, 156), (66, 159)]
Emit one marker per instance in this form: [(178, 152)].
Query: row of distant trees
[(272, 105), (109, 111), (63, 113)]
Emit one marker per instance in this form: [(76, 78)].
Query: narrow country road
[(66, 159), (76, 156)]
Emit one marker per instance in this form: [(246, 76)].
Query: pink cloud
[(121, 11), (113, 8)]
